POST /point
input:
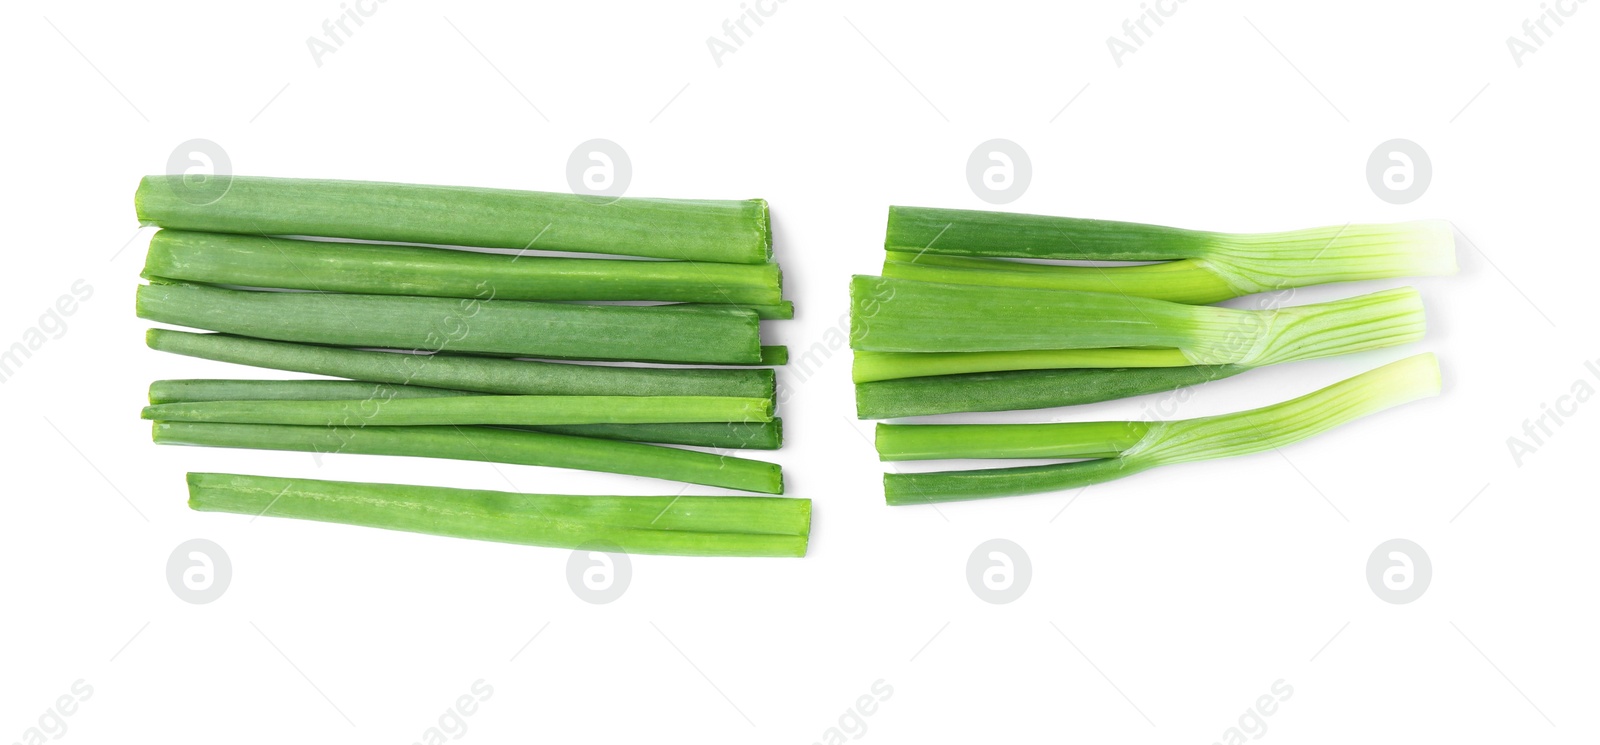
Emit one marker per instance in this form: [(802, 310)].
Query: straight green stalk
[(379, 269), (486, 410), (514, 327), (766, 435), (681, 526), (736, 232), (467, 373)]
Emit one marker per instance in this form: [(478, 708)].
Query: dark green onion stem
[(525, 329), (490, 410), (478, 374), (736, 232), (221, 389), (378, 269), (1024, 389), (736, 435)]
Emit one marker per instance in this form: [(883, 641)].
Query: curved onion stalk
[(1208, 266), (1030, 328), (681, 526), (1133, 446)]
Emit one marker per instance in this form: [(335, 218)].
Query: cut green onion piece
[(1024, 389), (1162, 443), (561, 330), (491, 410), (871, 366), (489, 444), (479, 374), (1243, 263), (259, 261), (738, 435), (683, 525), (1183, 281), (897, 315), (736, 232)]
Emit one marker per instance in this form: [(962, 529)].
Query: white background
[(1160, 607)]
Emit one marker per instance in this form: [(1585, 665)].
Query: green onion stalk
[(976, 247), (1114, 450), (681, 525)]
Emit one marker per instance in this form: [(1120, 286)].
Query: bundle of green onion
[(968, 318), (398, 290)]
